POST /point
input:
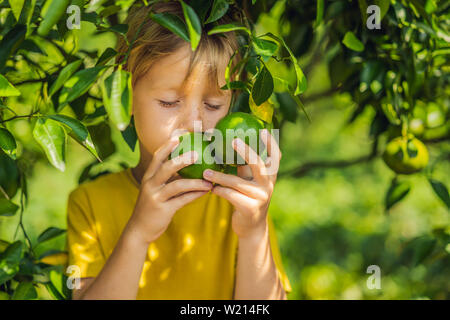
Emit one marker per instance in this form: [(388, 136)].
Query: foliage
[(398, 74)]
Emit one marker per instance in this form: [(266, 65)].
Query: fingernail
[(207, 173), (237, 142), (194, 156)]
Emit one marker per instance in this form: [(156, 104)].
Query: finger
[(236, 198), (254, 161), (160, 156), (182, 200), (273, 150), (170, 167), (245, 172), (184, 185), (234, 182)]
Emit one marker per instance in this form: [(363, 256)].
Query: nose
[(192, 117)]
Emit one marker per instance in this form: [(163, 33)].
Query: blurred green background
[(331, 223)]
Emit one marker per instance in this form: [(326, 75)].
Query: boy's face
[(164, 102)]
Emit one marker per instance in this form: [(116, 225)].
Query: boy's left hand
[(250, 198)]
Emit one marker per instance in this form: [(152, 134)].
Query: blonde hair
[(153, 41)]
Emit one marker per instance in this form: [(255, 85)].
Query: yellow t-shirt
[(194, 258)]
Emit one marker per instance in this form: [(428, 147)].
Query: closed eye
[(167, 103), (214, 107)]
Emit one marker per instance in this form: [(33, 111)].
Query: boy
[(145, 233)]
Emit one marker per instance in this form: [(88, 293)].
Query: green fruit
[(435, 117), (437, 133), (416, 127), (406, 155), (193, 141), (239, 125)]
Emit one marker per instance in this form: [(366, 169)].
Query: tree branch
[(18, 117), (304, 169)]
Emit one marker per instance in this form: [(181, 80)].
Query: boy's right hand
[(158, 200)]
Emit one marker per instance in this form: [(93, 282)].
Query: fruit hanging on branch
[(406, 155)]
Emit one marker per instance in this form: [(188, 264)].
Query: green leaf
[(5, 107), (10, 42), (171, 22), (384, 7), (101, 136), (236, 85), (64, 75), (16, 7), (52, 138), (390, 112), (28, 45), (227, 28), (8, 143), (352, 42), (107, 55), (300, 105), (363, 9), (301, 79), (423, 246), (130, 135), (7, 89), (7, 207), (51, 13), (263, 111), (193, 24), (430, 6), (263, 86), (78, 84), (27, 13), (25, 291), (53, 291), (288, 107), (119, 28), (77, 131), (9, 261), (397, 191), (263, 47), (118, 98), (14, 252), (50, 233), (9, 175), (219, 8), (201, 7), (57, 280), (50, 253), (94, 5), (441, 191)]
